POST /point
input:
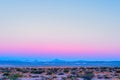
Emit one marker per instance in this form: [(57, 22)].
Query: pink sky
[(60, 28)]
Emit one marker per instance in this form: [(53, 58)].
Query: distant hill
[(58, 62)]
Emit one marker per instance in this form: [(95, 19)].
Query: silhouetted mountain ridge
[(58, 62)]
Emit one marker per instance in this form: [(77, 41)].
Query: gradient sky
[(64, 29)]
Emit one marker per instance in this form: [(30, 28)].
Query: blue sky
[(58, 28)]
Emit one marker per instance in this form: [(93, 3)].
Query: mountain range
[(57, 62)]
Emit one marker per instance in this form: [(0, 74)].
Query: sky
[(62, 29)]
